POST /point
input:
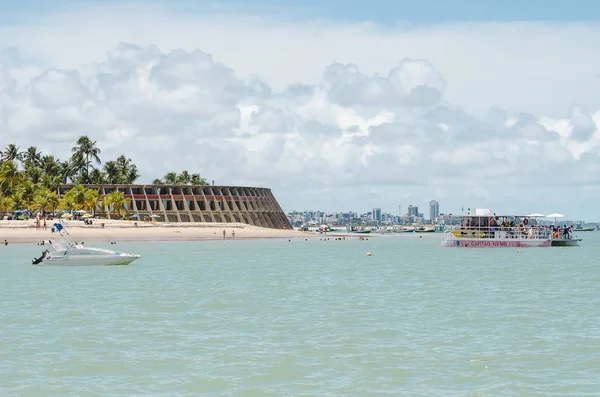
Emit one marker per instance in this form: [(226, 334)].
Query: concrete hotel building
[(183, 203)]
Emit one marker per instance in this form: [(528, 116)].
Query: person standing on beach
[(5, 242), (224, 234), (233, 234)]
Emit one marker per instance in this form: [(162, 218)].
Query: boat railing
[(503, 232)]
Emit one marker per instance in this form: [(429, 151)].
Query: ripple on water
[(306, 318)]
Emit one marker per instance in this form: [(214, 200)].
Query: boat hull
[(495, 243), (563, 242), (82, 260)]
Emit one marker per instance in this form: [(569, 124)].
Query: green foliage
[(29, 179), (184, 178)]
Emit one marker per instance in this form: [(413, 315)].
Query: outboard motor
[(36, 261)]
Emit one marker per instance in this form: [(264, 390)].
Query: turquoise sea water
[(304, 318)]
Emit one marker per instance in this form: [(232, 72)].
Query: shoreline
[(24, 232), (21, 232), (125, 231)]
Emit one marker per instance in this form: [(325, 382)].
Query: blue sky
[(386, 12)]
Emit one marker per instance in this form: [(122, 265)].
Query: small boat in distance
[(562, 236), (357, 229), (65, 253), (580, 228)]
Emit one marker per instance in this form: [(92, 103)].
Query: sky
[(338, 107)]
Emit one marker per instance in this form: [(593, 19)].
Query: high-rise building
[(434, 210), (377, 214), (413, 210)]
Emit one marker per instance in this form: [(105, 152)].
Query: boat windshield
[(59, 245)]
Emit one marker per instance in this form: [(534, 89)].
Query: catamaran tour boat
[(484, 229), (65, 253)]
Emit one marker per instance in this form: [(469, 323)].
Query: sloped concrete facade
[(183, 203)]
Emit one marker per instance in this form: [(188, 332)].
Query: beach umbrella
[(135, 215), (155, 216), (555, 215), (87, 216), (536, 215)]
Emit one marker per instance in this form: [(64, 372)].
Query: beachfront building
[(184, 203)]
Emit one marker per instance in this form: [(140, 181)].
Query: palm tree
[(132, 175), (17, 200), (12, 153), (91, 198), (31, 179), (112, 172), (127, 170), (78, 193), (170, 178), (32, 157), (197, 180), (67, 171), (44, 200), (184, 178), (67, 202), (50, 165), (10, 177), (33, 174), (97, 177), (6, 204), (117, 202), (27, 190), (89, 151), (51, 181)]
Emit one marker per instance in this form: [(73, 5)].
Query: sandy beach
[(114, 230), (16, 232)]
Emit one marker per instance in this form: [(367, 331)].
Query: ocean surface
[(304, 318)]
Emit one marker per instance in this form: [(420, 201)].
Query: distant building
[(377, 214), (413, 211), (434, 210)]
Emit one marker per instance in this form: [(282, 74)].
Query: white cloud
[(531, 67), (389, 116)]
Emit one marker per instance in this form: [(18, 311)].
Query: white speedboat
[(65, 253)]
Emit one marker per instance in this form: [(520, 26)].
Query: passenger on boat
[(493, 228)]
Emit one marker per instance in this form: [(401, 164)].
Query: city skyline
[(377, 213), (357, 113)]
